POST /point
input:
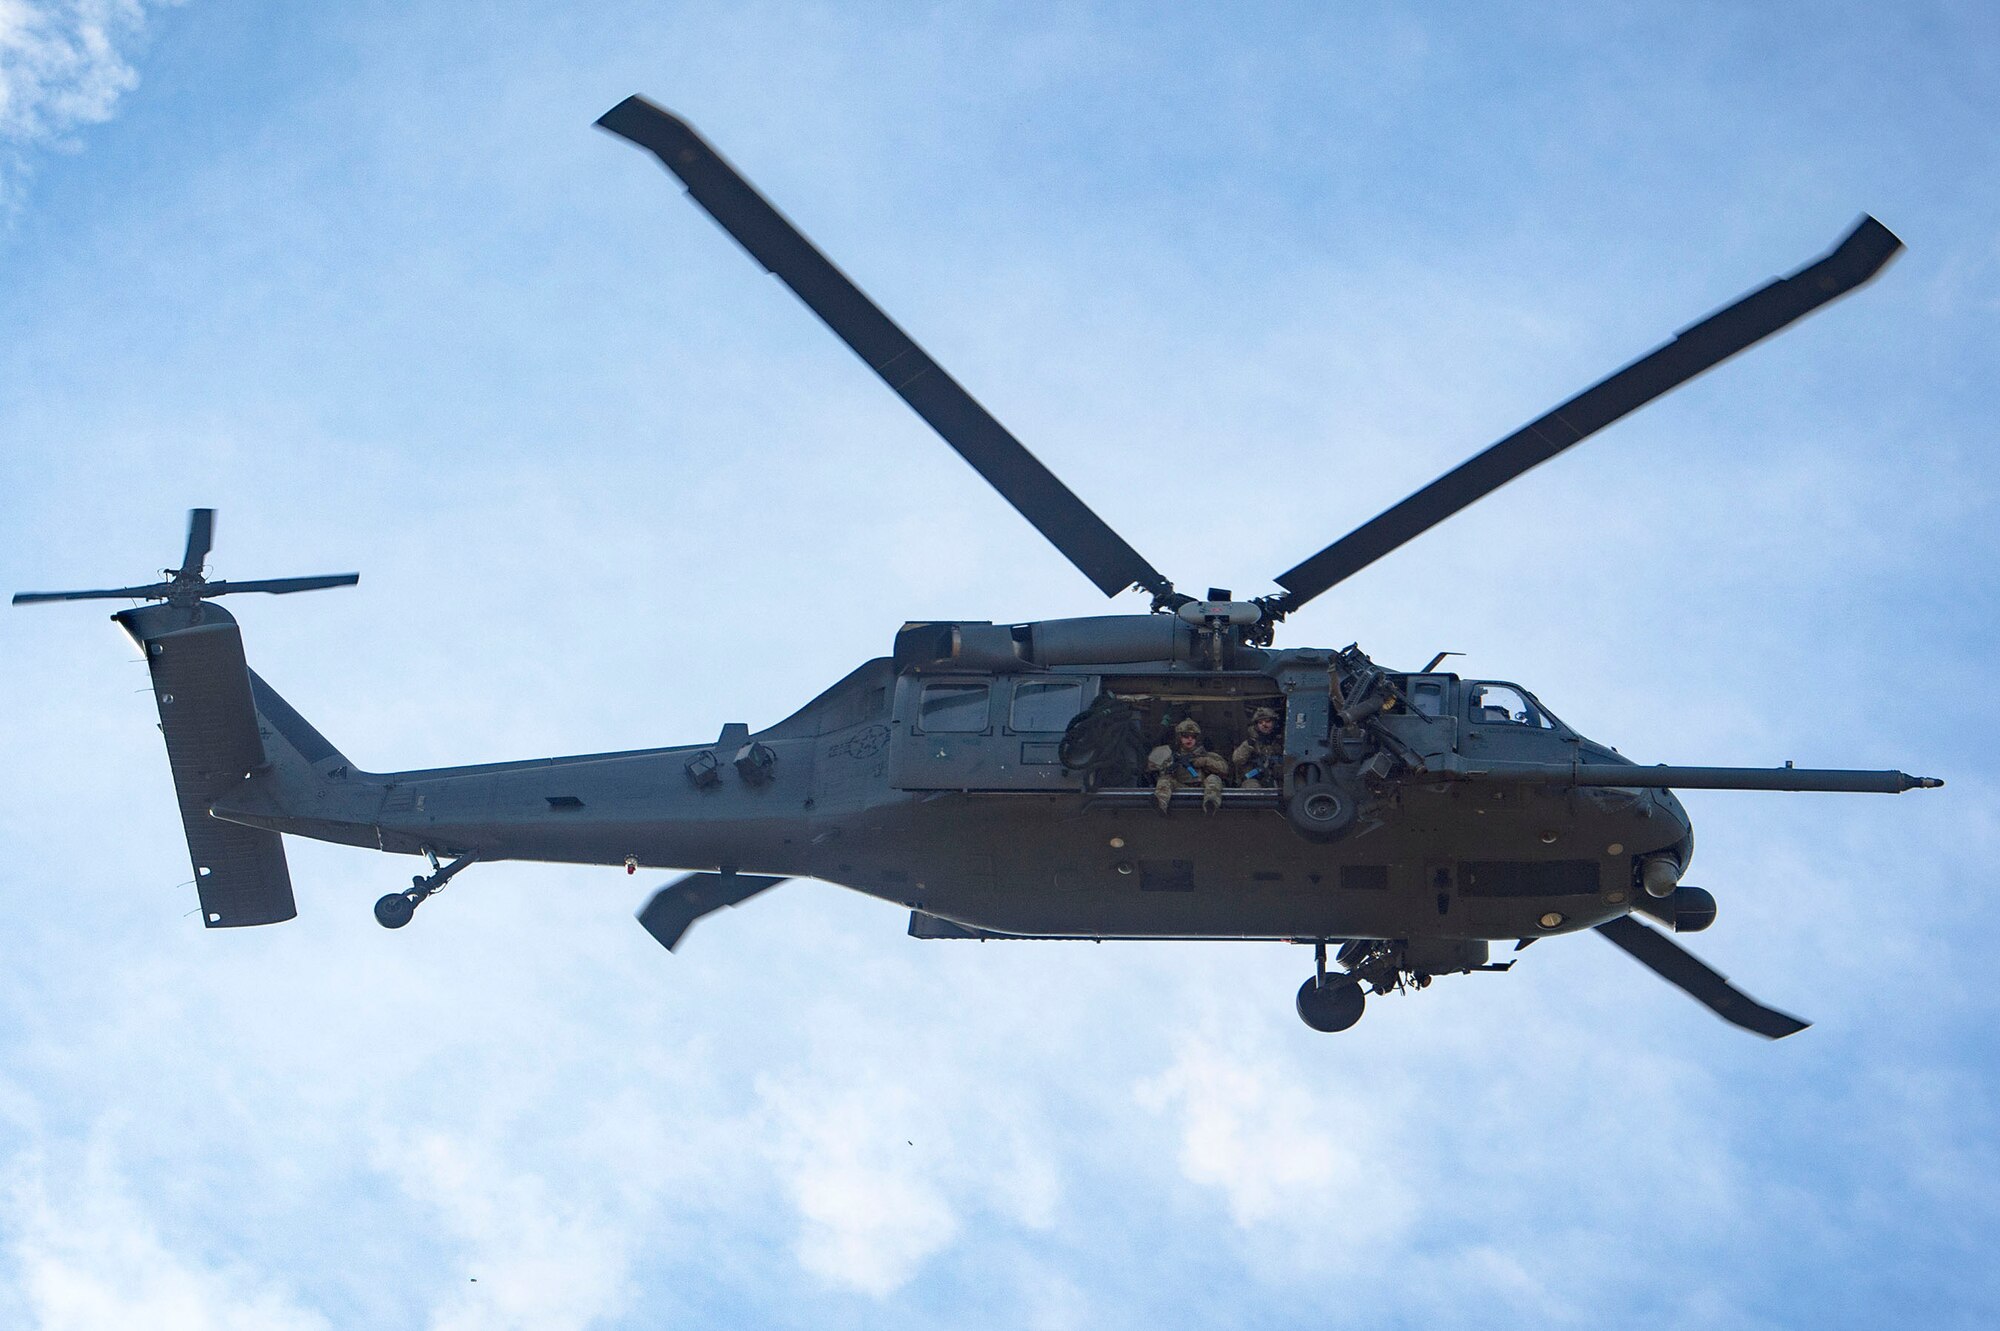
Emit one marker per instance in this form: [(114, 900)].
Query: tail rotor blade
[(201, 536), (1859, 256), (279, 586), (1687, 972), (155, 590)]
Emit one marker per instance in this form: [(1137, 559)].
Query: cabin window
[(948, 708), (1503, 704), (1427, 697), (1045, 705)]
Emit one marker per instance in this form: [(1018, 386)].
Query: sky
[(365, 279)]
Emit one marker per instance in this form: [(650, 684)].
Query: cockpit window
[(1045, 705), (1504, 704), (953, 707), (1427, 697)]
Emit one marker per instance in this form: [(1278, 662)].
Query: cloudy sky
[(364, 278)]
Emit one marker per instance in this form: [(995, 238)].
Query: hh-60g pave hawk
[(989, 776)]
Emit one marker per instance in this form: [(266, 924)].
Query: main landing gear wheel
[(1331, 1005), (395, 910), (1321, 811)]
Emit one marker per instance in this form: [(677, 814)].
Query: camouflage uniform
[(1259, 760), (1183, 764)]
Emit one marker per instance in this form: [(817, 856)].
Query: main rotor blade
[(201, 534), (1715, 339), (1066, 521), (1681, 968), (104, 594), (279, 586)]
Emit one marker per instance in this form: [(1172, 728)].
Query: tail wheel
[(394, 911), (1321, 810)]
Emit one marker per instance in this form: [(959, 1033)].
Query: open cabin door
[(985, 732)]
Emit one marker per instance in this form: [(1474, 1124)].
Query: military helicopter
[(992, 778)]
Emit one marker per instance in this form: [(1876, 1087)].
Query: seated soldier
[(1187, 762), (1260, 759)]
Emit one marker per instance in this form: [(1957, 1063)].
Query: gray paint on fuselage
[(1009, 861)]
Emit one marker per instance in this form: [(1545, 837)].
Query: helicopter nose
[(1670, 805), (1683, 848)]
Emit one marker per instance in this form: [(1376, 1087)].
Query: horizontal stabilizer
[(201, 685), (675, 907)]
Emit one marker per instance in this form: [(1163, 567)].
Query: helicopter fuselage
[(938, 784)]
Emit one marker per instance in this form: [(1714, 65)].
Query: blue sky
[(364, 279)]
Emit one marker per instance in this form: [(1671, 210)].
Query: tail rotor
[(185, 586)]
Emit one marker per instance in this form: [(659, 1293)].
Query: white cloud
[(535, 1255), (870, 1212), (1277, 1151), (888, 1160), (1507, 1280), (61, 63), (81, 1253)]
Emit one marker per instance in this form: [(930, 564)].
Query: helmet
[(1189, 727), (1264, 714)]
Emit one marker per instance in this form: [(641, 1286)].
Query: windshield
[(1492, 702), (1549, 719)]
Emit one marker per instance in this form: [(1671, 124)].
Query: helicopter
[(1015, 781)]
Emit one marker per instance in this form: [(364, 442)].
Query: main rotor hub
[(1221, 614)]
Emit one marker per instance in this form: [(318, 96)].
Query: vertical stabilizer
[(201, 684)]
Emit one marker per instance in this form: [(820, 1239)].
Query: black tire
[(394, 911), (1321, 811), (1333, 1006)]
